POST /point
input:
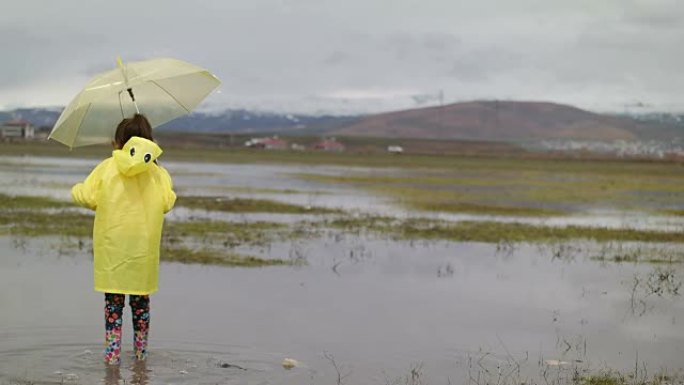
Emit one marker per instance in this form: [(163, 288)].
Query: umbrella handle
[(130, 93)]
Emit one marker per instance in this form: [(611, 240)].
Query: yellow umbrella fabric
[(161, 89)]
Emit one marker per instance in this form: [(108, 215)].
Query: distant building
[(42, 132), (330, 144), (395, 149), (619, 148), (17, 129), (273, 143)]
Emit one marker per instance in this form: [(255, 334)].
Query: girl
[(130, 193)]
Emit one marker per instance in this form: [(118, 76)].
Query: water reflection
[(139, 374), (112, 375)]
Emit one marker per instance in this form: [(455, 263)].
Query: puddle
[(378, 307), (39, 176), (375, 310)]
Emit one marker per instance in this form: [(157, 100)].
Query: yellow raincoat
[(130, 194)]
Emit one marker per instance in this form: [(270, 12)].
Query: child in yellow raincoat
[(130, 193)]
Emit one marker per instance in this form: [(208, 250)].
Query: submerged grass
[(496, 232), (252, 190), (206, 256), (38, 217), (240, 205), (230, 233), (612, 377), (23, 202), (492, 184), (639, 254), (427, 204), (40, 223)]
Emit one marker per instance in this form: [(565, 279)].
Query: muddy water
[(376, 308), (54, 177), (45, 176), (379, 308)]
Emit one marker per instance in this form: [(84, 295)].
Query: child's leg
[(140, 308), (114, 304)]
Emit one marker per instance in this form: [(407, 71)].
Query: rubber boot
[(140, 308), (114, 304)]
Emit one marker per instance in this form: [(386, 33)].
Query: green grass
[(440, 195), (240, 205), (524, 187)]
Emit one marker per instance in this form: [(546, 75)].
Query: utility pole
[(496, 113), (439, 110)]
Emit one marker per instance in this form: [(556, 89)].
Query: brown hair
[(138, 125)]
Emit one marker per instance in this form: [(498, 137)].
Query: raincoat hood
[(136, 156)]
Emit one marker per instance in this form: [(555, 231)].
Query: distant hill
[(478, 120), (39, 117), (507, 120), (244, 121), (228, 121)]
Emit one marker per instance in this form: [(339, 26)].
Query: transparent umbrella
[(161, 89)]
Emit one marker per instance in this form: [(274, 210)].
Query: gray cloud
[(31, 55), (356, 55)]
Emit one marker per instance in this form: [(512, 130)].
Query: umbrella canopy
[(161, 89)]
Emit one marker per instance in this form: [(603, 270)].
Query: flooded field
[(353, 307)]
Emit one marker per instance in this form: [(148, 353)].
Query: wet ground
[(369, 309)]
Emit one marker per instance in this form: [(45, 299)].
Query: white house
[(19, 128)]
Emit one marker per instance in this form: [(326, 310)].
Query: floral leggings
[(140, 309)]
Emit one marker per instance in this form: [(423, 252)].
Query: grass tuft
[(496, 232), (206, 256)]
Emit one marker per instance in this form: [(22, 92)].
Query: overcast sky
[(346, 56)]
